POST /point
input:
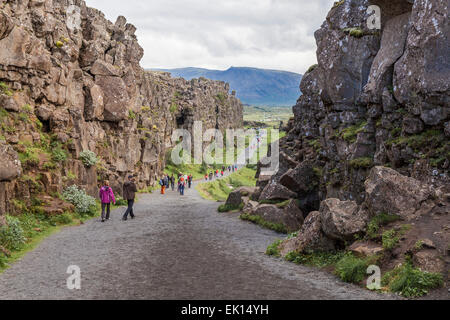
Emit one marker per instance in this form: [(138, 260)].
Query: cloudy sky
[(271, 34)]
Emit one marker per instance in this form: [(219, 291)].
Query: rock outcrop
[(370, 133), (70, 80)]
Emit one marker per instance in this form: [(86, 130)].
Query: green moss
[(131, 115), (173, 107), (4, 89), (338, 3), (361, 163), (355, 32), (221, 97), (349, 134), (281, 228), (228, 208), (312, 68)]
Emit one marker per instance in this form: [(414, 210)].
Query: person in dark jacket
[(172, 182), (129, 193)]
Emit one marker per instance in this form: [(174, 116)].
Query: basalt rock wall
[(71, 81), (376, 98)]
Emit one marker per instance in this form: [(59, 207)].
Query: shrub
[(355, 32), (380, 220), (62, 219), (12, 236), (84, 204), (121, 201), (59, 155), (390, 239), (273, 250), (89, 158), (411, 282), (352, 269)]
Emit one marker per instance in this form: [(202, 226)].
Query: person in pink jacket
[(106, 195)]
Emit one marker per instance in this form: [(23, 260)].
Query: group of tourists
[(220, 173), (183, 181), (107, 197)]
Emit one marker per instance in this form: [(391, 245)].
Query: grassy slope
[(219, 189)]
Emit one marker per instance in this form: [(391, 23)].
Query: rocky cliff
[(70, 81), (371, 131)]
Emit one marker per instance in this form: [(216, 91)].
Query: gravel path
[(177, 248)]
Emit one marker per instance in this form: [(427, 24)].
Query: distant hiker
[(229, 168), (206, 177), (190, 181), (129, 190), (217, 173), (182, 184), (210, 175), (172, 182), (162, 185), (106, 195), (223, 168), (221, 172)]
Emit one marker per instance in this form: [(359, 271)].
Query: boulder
[(301, 179), (11, 167), (9, 103), (235, 197), (365, 248), (429, 260), (412, 125), (387, 191), (342, 220), (310, 237), (250, 207), (272, 213), (276, 191)]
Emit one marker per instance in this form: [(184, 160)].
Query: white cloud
[(272, 34)]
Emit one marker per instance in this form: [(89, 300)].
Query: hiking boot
[(133, 217), (124, 219), (103, 220)]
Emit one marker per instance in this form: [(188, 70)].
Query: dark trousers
[(129, 209), (173, 186), (182, 189), (106, 206)]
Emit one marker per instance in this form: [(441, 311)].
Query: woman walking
[(106, 195)]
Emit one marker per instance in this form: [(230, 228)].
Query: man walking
[(129, 190), (172, 182)]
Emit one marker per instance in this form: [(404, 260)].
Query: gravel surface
[(177, 248)]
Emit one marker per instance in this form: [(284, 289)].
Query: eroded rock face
[(79, 75), (390, 192), (342, 220)]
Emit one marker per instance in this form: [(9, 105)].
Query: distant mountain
[(253, 86)]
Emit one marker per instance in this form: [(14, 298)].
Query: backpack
[(161, 182)]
